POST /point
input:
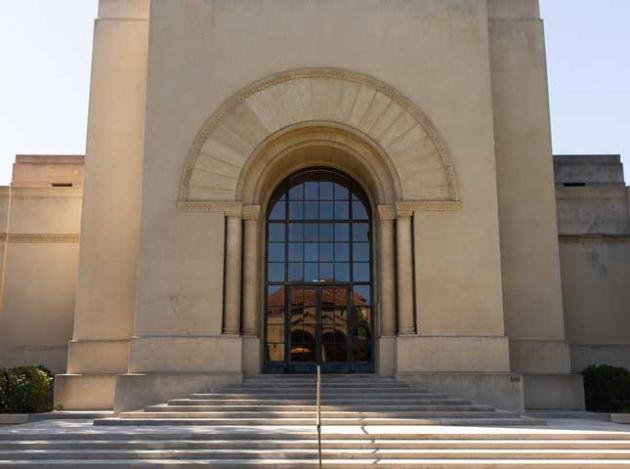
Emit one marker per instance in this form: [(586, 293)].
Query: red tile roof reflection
[(307, 296)]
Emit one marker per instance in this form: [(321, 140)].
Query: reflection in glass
[(276, 232), (361, 252), (276, 252), (277, 212), (360, 232)]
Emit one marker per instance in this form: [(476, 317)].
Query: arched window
[(319, 275)]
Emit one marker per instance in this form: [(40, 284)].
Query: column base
[(84, 391), (251, 355), (386, 363), (186, 354), (97, 357)]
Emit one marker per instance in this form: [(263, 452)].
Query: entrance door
[(319, 289)]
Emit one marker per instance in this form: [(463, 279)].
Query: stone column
[(387, 215), (405, 269), (233, 246), (250, 275)]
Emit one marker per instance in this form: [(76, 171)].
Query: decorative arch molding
[(412, 148)]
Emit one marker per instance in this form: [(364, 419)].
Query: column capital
[(386, 212), (405, 209), (251, 212), (233, 211)]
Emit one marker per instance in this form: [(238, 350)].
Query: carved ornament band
[(39, 238)]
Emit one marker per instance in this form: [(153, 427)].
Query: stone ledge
[(135, 391), (501, 390), (553, 391), (620, 418), (13, 419)]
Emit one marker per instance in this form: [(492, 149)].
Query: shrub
[(25, 389), (607, 388)]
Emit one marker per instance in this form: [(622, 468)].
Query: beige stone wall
[(435, 54), (41, 215), (106, 293), (527, 212), (594, 223)]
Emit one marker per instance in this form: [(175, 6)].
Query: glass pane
[(311, 272), (342, 272), (275, 302), (275, 352), (311, 190), (295, 271), (310, 210), (296, 232), (361, 295), (342, 211), (342, 232), (311, 232), (326, 252), (361, 272), (277, 212), (276, 231), (325, 190), (275, 272), (275, 333), (297, 296), (276, 252), (326, 210), (296, 252), (334, 324), (311, 252), (326, 231), (342, 252), (326, 271), (358, 211), (296, 192), (362, 351), (296, 210), (302, 325), (361, 252), (310, 297), (360, 231), (341, 192)]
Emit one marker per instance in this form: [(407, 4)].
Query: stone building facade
[(364, 185)]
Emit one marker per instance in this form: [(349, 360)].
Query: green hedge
[(607, 388), (25, 390)]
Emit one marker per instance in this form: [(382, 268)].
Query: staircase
[(268, 422), (346, 400)]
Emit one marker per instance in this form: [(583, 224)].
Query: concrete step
[(312, 444), (159, 420), (311, 408), (330, 464), (350, 402), (289, 454), (309, 433), (336, 414), (327, 395)]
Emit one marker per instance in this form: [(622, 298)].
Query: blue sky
[(45, 48)]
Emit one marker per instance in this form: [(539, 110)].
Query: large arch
[(411, 147)]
